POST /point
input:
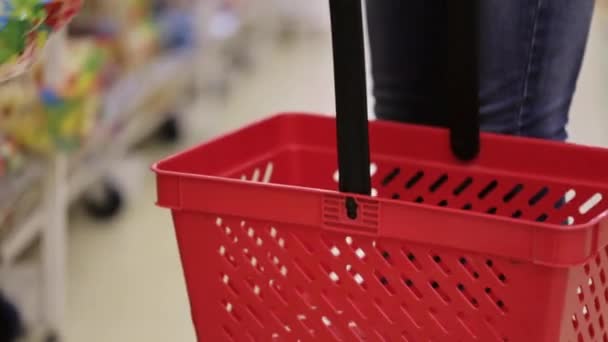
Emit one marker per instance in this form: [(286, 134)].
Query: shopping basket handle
[(351, 96), (460, 98)]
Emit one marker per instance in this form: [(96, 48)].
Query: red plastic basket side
[(251, 279)]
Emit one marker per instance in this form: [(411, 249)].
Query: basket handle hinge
[(357, 214)]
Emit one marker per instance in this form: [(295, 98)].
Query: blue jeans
[(531, 53)]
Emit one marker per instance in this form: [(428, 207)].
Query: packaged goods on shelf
[(61, 117), (21, 195), (128, 24), (25, 26), (12, 158), (20, 184)]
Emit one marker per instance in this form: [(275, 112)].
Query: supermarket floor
[(125, 280)]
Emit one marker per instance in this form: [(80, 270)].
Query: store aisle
[(125, 279), (126, 282)]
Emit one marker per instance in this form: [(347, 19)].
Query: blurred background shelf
[(21, 211), (122, 73)]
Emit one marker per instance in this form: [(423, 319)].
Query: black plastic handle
[(461, 99), (351, 96), (462, 91)]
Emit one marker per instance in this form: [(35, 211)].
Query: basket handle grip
[(460, 99)]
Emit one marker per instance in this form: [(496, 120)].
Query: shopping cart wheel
[(104, 201), (170, 131)]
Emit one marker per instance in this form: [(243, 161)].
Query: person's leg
[(531, 53), (407, 47), (530, 58)]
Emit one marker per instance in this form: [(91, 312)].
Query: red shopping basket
[(509, 247)]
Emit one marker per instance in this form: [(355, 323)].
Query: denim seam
[(528, 73)]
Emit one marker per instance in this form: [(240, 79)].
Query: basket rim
[(544, 243), (158, 169)]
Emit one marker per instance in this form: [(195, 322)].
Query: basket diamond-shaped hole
[(384, 281), (335, 251), (360, 253), (256, 175), (348, 240), (412, 259), (591, 284), (513, 193), (488, 189), (275, 260), (410, 285), (359, 279), (575, 322), (542, 193), (268, 173), (463, 186), (568, 221), (567, 198), (585, 312), (391, 176), (437, 288), (224, 252), (438, 183), (442, 266), (414, 180), (356, 330), (580, 294), (590, 204)]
